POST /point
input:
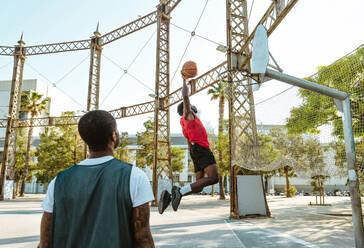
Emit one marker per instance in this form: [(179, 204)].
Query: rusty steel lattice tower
[(162, 150), (8, 157), (94, 76), (241, 101)]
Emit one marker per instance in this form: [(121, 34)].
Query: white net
[(310, 141)]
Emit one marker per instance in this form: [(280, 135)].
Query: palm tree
[(218, 92), (31, 103)]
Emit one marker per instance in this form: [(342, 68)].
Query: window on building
[(176, 178), (22, 114), (189, 178)]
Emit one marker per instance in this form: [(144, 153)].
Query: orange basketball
[(189, 69)]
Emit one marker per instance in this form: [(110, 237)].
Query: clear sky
[(314, 33)]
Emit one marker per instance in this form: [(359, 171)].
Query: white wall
[(58, 104)]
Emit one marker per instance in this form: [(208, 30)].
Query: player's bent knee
[(214, 179), (199, 190)]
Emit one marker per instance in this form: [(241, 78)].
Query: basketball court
[(202, 221)]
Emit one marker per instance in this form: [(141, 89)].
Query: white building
[(58, 103)]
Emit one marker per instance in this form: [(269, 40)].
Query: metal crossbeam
[(171, 5), (138, 109), (129, 28), (7, 51), (123, 112), (200, 83), (58, 47)]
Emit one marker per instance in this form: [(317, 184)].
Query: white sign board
[(250, 193), (8, 190)]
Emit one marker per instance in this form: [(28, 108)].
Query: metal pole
[(162, 152), (242, 121), (230, 90), (94, 74), (306, 84), (8, 158), (353, 179)]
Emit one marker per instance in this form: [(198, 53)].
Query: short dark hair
[(180, 109), (96, 129)]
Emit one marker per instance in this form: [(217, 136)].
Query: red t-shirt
[(194, 131)]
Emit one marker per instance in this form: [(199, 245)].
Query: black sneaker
[(164, 201), (176, 197)]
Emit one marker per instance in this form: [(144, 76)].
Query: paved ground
[(203, 221)]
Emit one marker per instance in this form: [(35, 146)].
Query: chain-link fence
[(307, 139)]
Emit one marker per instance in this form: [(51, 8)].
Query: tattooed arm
[(45, 230), (140, 226)]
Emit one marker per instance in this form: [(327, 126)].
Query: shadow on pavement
[(19, 240), (22, 212)]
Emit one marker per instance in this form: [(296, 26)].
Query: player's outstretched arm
[(141, 229), (46, 230), (186, 102)]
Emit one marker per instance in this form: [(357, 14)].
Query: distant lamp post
[(222, 48)]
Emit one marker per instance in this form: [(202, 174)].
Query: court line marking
[(283, 235), (236, 236)]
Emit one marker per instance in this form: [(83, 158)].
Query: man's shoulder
[(66, 171), (117, 162)]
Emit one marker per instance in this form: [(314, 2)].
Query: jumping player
[(202, 157)]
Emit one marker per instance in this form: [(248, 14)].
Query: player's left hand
[(184, 76)]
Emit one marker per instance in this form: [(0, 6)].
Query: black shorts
[(201, 157)]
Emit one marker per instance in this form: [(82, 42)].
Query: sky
[(314, 33)]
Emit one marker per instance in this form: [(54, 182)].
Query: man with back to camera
[(100, 202), (202, 157)]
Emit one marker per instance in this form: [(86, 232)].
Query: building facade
[(58, 102)]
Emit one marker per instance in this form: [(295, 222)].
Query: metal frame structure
[(94, 76), (14, 107), (239, 41), (241, 101), (162, 150)]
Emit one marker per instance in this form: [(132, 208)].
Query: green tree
[(221, 144), (20, 154), (314, 154), (291, 154), (121, 152), (145, 152), (217, 91), (347, 74), (34, 104), (60, 147), (177, 159), (316, 167)]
